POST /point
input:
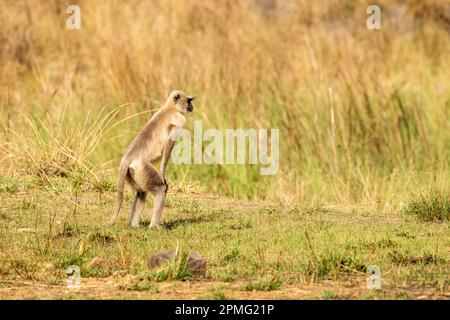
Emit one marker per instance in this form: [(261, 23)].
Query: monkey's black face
[(183, 102), (190, 107)]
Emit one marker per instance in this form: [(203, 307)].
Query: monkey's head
[(181, 101)]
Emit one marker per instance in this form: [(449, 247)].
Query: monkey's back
[(149, 143)]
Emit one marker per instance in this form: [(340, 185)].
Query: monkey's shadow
[(178, 222)]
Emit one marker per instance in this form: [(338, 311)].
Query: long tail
[(120, 190)]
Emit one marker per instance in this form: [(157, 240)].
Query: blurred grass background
[(364, 115)]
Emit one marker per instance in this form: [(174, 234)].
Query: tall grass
[(363, 115)]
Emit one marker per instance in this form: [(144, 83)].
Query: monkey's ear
[(176, 97)]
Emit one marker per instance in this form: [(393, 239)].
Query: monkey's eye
[(176, 98)]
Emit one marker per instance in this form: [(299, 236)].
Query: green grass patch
[(331, 264), (175, 269), (424, 259), (430, 205), (9, 185), (140, 283), (264, 284)]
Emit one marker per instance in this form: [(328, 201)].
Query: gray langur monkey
[(155, 141)]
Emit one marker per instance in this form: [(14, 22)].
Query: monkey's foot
[(154, 226)]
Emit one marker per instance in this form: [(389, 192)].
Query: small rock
[(196, 265), (159, 258)]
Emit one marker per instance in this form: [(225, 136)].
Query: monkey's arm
[(165, 158), (173, 136)]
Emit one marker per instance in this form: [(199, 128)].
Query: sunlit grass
[(363, 116), (361, 113)]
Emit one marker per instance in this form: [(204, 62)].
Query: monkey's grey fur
[(154, 142)]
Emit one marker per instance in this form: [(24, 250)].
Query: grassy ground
[(253, 249)]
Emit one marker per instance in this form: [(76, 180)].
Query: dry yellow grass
[(364, 115)]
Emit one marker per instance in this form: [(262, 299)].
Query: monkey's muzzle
[(190, 107)]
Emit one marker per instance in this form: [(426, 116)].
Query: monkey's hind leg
[(159, 196), (138, 178), (156, 185), (136, 208)]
